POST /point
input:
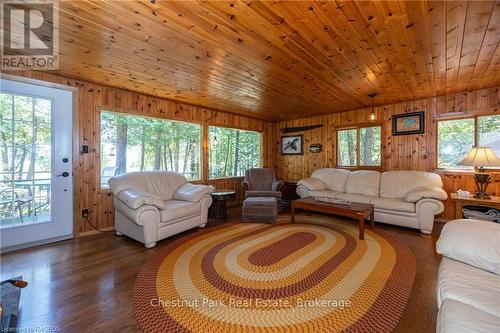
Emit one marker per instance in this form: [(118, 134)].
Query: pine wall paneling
[(407, 152), (91, 98)]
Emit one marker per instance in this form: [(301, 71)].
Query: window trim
[(474, 117), (357, 127), (97, 149), (261, 148)]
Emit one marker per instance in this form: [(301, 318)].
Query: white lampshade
[(481, 157)]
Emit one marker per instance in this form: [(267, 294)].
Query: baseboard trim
[(36, 243), (95, 232)]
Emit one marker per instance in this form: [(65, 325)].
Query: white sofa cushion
[(354, 197), (366, 182), (135, 199), (457, 317), (335, 179), (395, 184), (179, 209), (339, 195), (191, 192), (312, 184), (426, 192), (393, 204), (473, 242), (324, 194), (468, 285), (160, 183)]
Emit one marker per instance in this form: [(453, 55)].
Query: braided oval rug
[(313, 276)]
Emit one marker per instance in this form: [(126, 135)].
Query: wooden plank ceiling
[(286, 59)]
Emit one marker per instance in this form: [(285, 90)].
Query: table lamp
[(480, 157)]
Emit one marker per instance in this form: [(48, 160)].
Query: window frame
[(261, 148), (97, 149), (475, 118), (357, 127)]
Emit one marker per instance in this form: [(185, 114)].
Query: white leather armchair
[(153, 205)]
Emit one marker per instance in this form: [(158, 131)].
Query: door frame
[(75, 144)]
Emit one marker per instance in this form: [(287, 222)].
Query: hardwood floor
[(85, 285)]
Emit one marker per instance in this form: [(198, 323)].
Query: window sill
[(226, 178), (360, 167), (462, 171)]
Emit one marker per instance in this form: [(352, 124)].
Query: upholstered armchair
[(261, 182), (153, 205)]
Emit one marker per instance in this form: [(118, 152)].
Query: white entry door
[(36, 186)]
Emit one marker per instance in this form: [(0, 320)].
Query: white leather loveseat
[(468, 287), (153, 205), (405, 198)]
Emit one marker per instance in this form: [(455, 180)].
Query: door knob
[(64, 174)]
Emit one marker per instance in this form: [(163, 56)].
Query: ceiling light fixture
[(373, 116)]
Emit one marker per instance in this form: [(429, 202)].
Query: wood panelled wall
[(91, 97), (408, 152)]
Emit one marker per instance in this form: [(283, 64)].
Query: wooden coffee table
[(355, 210)]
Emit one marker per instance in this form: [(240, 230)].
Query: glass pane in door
[(25, 154)]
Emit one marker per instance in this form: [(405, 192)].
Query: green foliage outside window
[(488, 128), (233, 151), (370, 145), (25, 159), (135, 143), (347, 142), (456, 137)]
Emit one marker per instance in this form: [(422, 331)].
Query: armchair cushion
[(177, 210), (422, 192), (191, 192), (275, 194), (472, 242), (312, 184), (276, 186), (260, 179), (246, 185), (136, 198)]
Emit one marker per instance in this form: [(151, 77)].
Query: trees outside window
[(25, 159), (455, 138), (488, 128), (365, 140), (136, 143), (233, 151)]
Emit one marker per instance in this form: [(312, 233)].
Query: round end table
[(218, 208)]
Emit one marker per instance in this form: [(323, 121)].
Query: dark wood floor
[(85, 285)]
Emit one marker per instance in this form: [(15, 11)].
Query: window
[(233, 151), (25, 165), (457, 136), (135, 143), (488, 129), (365, 140)]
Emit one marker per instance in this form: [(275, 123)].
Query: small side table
[(459, 202), (218, 208), (289, 192)]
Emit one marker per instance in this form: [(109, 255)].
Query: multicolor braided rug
[(315, 276)]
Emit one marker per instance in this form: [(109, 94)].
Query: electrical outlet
[(85, 212)]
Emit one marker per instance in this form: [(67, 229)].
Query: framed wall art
[(291, 145), (408, 123)]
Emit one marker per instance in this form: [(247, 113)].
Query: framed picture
[(408, 123), (291, 145)]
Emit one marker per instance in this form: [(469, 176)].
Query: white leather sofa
[(405, 198), (468, 287), (153, 205)]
